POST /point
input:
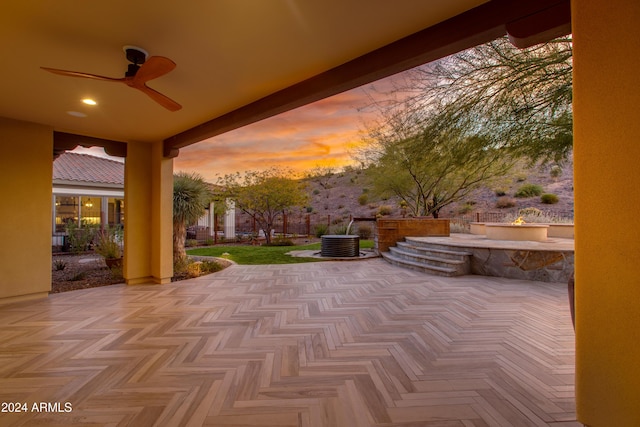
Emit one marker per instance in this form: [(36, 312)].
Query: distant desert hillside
[(349, 194)]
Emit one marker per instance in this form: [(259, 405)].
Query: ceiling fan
[(142, 69)]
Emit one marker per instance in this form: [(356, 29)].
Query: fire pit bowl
[(533, 232), (340, 245)]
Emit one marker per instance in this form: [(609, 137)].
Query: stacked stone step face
[(429, 257)]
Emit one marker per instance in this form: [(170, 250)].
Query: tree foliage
[(453, 125), (428, 167), (521, 99), (264, 195), (190, 197)]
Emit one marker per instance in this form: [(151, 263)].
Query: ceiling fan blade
[(83, 75), (154, 67), (161, 99)]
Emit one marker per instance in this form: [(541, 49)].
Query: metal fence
[(300, 224), (304, 224), (500, 216)]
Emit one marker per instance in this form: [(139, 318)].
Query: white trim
[(81, 184), (84, 191)]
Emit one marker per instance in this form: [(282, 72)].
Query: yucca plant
[(190, 196)]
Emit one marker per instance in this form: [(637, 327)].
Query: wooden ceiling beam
[(63, 141), (540, 27)]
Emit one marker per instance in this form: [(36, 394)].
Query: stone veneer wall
[(544, 266)]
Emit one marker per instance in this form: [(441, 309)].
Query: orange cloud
[(319, 134)]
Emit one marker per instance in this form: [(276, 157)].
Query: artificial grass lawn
[(254, 255)]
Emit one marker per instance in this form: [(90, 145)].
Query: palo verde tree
[(191, 195), (264, 195), (521, 98), (455, 124), (427, 166)]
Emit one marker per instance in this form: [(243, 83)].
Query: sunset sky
[(317, 135)]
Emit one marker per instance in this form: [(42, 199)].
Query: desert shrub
[(363, 199), (500, 192), (320, 230), (466, 208), (385, 210), (180, 265), (365, 231), (78, 276), (107, 243), (339, 229), (59, 265), (549, 199), (210, 267), (80, 238), (534, 215), (530, 212), (193, 270), (316, 192), (529, 190), (280, 241), (505, 202), (459, 227), (555, 171)]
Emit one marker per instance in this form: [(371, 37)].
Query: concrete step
[(420, 242), (420, 266), (429, 249), (430, 258)]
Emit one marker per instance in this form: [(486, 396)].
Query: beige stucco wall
[(607, 195), (148, 215), (26, 168), (162, 220)]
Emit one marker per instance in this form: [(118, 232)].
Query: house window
[(115, 212), (67, 210), (90, 209), (87, 210)]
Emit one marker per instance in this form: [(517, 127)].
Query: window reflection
[(66, 211), (89, 210)]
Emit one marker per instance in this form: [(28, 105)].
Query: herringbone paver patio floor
[(322, 344)]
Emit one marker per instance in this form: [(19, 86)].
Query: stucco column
[(148, 210), (230, 220), (607, 195), (26, 170)]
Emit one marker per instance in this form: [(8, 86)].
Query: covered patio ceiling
[(237, 61)]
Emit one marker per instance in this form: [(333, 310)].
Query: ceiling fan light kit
[(141, 69)]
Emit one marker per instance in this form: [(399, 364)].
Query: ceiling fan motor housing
[(136, 56), (132, 69)]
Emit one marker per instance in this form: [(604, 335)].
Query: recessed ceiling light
[(89, 101), (76, 114)]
